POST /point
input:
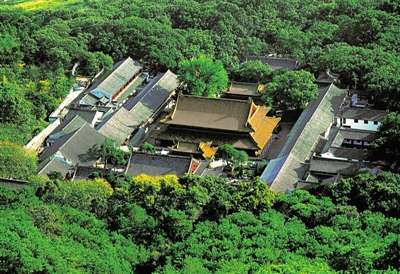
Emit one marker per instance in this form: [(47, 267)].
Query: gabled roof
[(314, 121), (276, 63), (71, 149), (137, 110), (119, 125), (363, 114), (211, 113), (74, 120), (349, 153), (153, 96), (243, 89), (333, 167), (88, 115), (156, 164), (352, 134), (69, 125), (109, 84), (155, 93)]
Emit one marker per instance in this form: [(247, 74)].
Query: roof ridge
[(162, 155), (303, 129), (213, 98), (73, 134), (116, 69), (159, 80)]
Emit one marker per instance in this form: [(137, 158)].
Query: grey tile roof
[(155, 164), (212, 113), (137, 110), (55, 164), (349, 153), (283, 175), (242, 88), (119, 125), (87, 114), (88, 100), (69, 125), (71, 149), (110, 83), (333, 167), (239, 141), (155, 93), (363, 114), (352, 134)]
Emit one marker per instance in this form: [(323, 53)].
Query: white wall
[(359, 125)]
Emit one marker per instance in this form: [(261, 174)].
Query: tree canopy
[(291, 90), (387, 144), (203, 77), (120, 224), (17, 162)]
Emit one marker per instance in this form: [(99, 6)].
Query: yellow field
[(44, 4)]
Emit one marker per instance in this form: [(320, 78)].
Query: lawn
[(44, 4)]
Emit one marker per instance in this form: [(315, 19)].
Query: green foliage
[(95, 62), (387, 144), (16, 162), (42, 238), (196, 225), (253, 71), (90, 195), (203, 77), (229, 153), (291, 90), (148, 148), (369, 192), (15, 108), (111, 153)]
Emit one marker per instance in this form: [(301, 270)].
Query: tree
[(95, 62), (78, 243), (90, 195), (387, 144), (112, 154), (230, 153), (291, 90), (203, 77), (384, 84), (15, 108), (369, 192), (253, 71), (149, 148), (17, 162)]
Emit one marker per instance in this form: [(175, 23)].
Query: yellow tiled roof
[(208, 150), (262, 125)]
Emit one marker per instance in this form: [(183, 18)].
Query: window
[(375, 122), (356, 121), (344, 120), (365, 121)]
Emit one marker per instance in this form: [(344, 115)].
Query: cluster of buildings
[(130, 106), (329, 140)]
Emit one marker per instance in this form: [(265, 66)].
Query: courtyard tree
[(291, 90), (202, 76), (387, 144)]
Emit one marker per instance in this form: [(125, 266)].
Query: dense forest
[(120, 224)]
